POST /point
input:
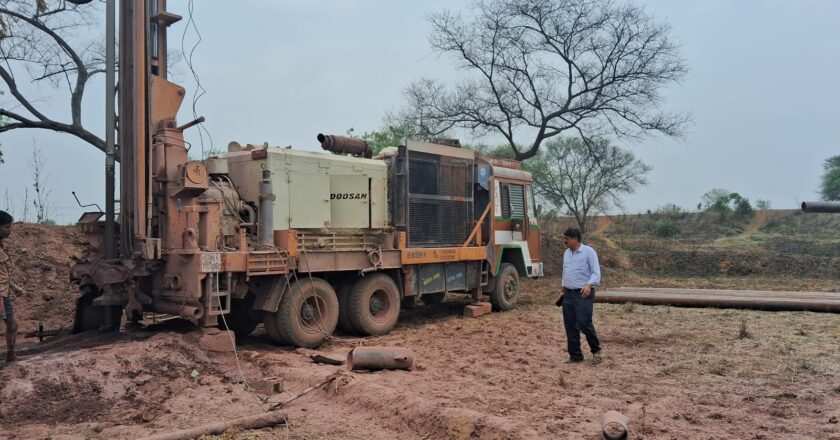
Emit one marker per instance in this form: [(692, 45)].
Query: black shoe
[(574, 361)]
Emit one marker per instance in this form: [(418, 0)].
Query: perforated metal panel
[(440, 193)]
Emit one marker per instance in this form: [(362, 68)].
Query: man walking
[(7, 287), (581, 273)]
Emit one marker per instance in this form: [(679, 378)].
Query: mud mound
[(41, 259), (71, 399), (124, 381)]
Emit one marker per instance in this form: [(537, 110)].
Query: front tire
[(374, 304), (506, 289), (306, 316)]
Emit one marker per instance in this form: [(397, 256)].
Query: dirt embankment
[(41, 260), (774, 250)]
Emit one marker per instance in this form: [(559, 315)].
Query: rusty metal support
[(170, 308), (345, 144), (380, 358), (110, 128), (476, 232)]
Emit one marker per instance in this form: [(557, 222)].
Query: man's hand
[(16, 290), (587, 289), (559, 302)]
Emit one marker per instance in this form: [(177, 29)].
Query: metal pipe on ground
[(832, 207), (252, 422), (614, 425), (380, 358), (749, 300)]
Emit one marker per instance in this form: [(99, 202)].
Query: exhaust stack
[(345, 145)]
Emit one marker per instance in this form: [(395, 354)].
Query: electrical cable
[(236, 353), (200, 90)]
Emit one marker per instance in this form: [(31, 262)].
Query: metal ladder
[(216, 300)]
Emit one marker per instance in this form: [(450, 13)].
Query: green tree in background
[(726, 203), (830, 184), (582, 177), (391, 135)]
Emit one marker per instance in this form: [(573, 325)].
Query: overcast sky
[(762, 91)]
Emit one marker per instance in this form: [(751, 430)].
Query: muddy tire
[(374, 304), (271, 328), (431, 299), (239, 320), (505, 292), (344, 323), (306, 316)]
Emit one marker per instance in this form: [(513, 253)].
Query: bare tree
[(41, 200), (583, 178), (35, 45), (538, 68)]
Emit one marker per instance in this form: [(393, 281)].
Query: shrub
[(666, 227)]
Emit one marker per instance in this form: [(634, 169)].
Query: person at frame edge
[(581, 274), (7, 287)]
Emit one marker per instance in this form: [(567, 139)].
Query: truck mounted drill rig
[(301, 241)]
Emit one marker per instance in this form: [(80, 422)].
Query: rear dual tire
[(372, 305), (306, 316)]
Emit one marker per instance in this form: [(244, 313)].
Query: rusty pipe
[(345, 144), (715, 299), (380, 358), (832, 207), (185, 310), (614, 425)]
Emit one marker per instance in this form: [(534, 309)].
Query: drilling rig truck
[(301, 241)]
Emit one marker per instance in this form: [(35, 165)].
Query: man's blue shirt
[(581, 268)]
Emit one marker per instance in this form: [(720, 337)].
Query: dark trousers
[(577, 317)]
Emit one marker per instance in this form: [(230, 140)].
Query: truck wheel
[(506, 289), (306, 316), (374, 304), (239, 320), (431, 299), (344, 323)]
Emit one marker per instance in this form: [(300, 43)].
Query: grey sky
[(762, 91)]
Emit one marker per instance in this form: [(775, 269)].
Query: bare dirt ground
[(677, 373)]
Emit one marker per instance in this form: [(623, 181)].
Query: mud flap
[(268, 299)]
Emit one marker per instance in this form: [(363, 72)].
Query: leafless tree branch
[(538, 68)]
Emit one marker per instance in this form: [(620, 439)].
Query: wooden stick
[(329, 379), (251, 422)]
